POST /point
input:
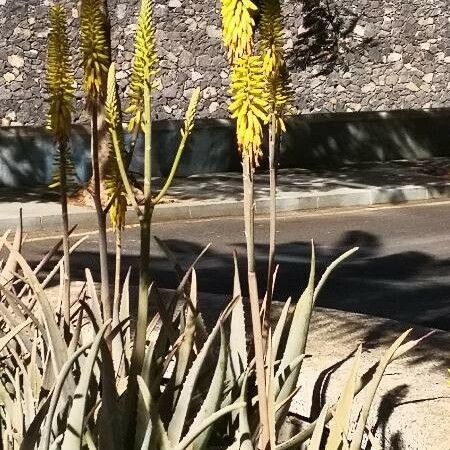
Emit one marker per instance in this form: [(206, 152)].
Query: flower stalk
[(60, 86), (249, 107), (278, 94), (96, 60)]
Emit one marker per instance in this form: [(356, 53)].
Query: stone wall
[(344, 55)]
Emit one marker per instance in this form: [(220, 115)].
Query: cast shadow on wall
[(327, 37)]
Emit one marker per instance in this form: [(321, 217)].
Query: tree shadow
[(337, 139), (410, 287), (323, 43), (321, 385), (385, 409)]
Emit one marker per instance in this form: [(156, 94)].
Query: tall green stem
[(117, 271), (145, 222), (274, 145), (101, 217), (137, 357), (249, 219), (65, 227)]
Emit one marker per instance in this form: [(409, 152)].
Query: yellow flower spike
[(113, 116), (280, 95), (60, 80), (237, 25), (145, 62), (271, 47), (250, 104), (272, 36), (113, 184), (60, 88), (190, 113), (94, 47)]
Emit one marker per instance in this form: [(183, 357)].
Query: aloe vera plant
[(195, 388), (91, 373)]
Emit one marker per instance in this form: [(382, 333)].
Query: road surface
[(401, 271)]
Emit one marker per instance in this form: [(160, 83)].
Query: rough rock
[(394, 57)]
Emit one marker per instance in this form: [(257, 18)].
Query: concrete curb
[(287, 202)]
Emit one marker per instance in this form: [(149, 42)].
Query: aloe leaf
[(62, 376), (184, 355), (7, 402), (48, 376), (214, 396), (33, 371), (22, 338), (34, 432), (171, 257), (94, 300), (13, 303), (59, 348), (329, 270), (18, 408), (148, 414), (28, 406), (148, 433), (237, 327), (372, 388), (177, 422), (124, 313), (143, 411), (287, 379), (317, 436), (55, 269), (296, 341), (57, 442), (4, 238), (9, 268), (404, 348), (180, 288), (280, 327), (342, 415), (12, 334), (287, 399), (362, 382), (76, 334), (149, 368), (244, 426), (119, 341), (17, 305), (74, 434), (108, 414), (194, 432)]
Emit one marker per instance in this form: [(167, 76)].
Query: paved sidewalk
[(220, 194)]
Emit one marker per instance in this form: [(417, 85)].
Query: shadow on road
[(411, 287)]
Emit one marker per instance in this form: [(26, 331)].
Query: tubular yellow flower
[(250, 104), (94, 46), (145, 62), (237, 25), (60, 80)]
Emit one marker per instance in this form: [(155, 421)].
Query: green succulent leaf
[(73, 436)]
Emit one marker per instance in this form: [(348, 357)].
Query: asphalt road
[(401, 271)]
